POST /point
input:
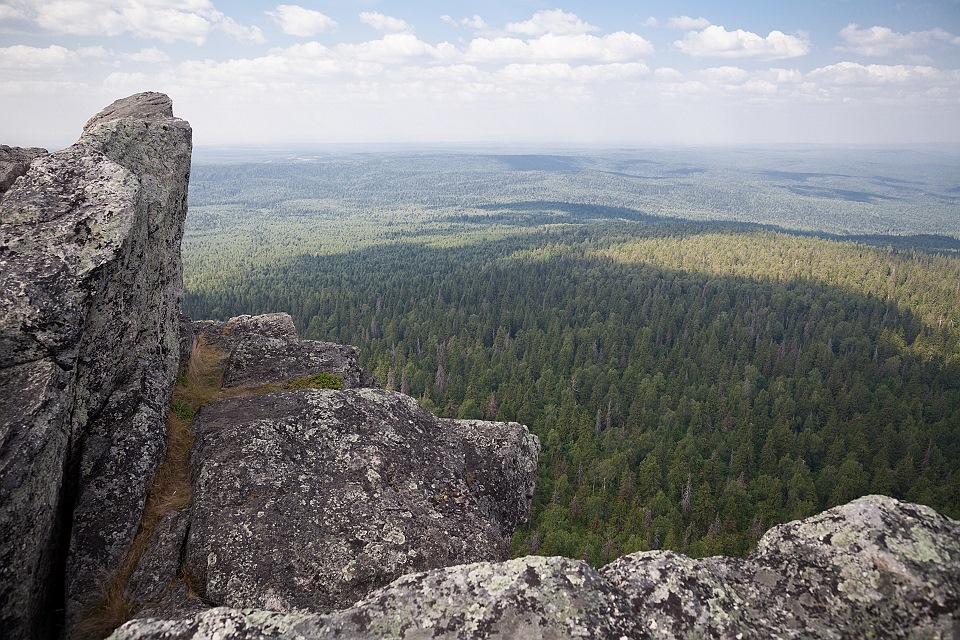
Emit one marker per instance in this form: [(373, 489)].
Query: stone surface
[(14, 162), (311, 499), (90, 286), (875, 567), (258, 359), (225, 335), (265, 349)]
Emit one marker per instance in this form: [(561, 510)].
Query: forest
[(707, 342)]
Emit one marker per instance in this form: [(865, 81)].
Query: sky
[(561, 72)]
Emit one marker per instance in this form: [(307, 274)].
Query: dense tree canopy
[(691, 383)]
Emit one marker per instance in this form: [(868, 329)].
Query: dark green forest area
[(692, 382)]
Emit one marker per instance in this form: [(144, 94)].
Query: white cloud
[(168, 21), (723, 75), (25, 58), (553, 21), (582, 74), (476, 22), (882, 41), (614, 47), (393, 48), (151, 55), (10, 13), (716, 42), (21, 56), (385, 24), (294, 20), (853, 73), (651, 22), (687, 23), (667, 72), (237, 31), (126, 82)]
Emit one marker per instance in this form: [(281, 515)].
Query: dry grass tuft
[(171, 489)]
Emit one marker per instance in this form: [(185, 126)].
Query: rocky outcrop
[(14, 162), (875, 567), (266, 350), (310, 499), (90, 286)]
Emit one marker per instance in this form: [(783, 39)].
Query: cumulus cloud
[(10, 13), (295, 20), (580, 74), (169, 21), (882, 41), (614, 47), (393, 48), (23, 58), (238, 31), (385, 24), (667, 73), (554, 21), (687, 23), (854, 73), (716, 42), (150, 55), (475, 22)]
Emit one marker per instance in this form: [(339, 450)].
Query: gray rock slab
[(90, 289), (258, 359), (875, 567), (311, 499), (266, 349), (14, 162)]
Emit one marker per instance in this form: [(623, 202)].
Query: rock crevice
[(90, 281)]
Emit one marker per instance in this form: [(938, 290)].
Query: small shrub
[(182, 410), (316, 381)]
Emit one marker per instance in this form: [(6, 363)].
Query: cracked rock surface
[(311, 499), (875, 567), (90, 288), (265, 349)]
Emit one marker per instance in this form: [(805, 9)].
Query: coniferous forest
[(707, 342)]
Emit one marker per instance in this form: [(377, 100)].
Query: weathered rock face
[(875, 567), (311, 499), (266, 349), (90, 286), (14, 162)]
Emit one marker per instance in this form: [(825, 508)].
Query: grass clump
[(315, 381)]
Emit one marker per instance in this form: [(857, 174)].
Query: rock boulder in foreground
[(875, 567)]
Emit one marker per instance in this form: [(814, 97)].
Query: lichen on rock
[(310, 499), (797, 584), (90, 281)]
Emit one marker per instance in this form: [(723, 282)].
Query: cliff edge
[(90, 286)]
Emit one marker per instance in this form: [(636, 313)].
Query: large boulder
[(875, 567), (90, 289), (311, 499)]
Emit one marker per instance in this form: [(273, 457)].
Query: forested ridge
[(692, 384)]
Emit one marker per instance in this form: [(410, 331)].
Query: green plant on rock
[(316, 381)]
